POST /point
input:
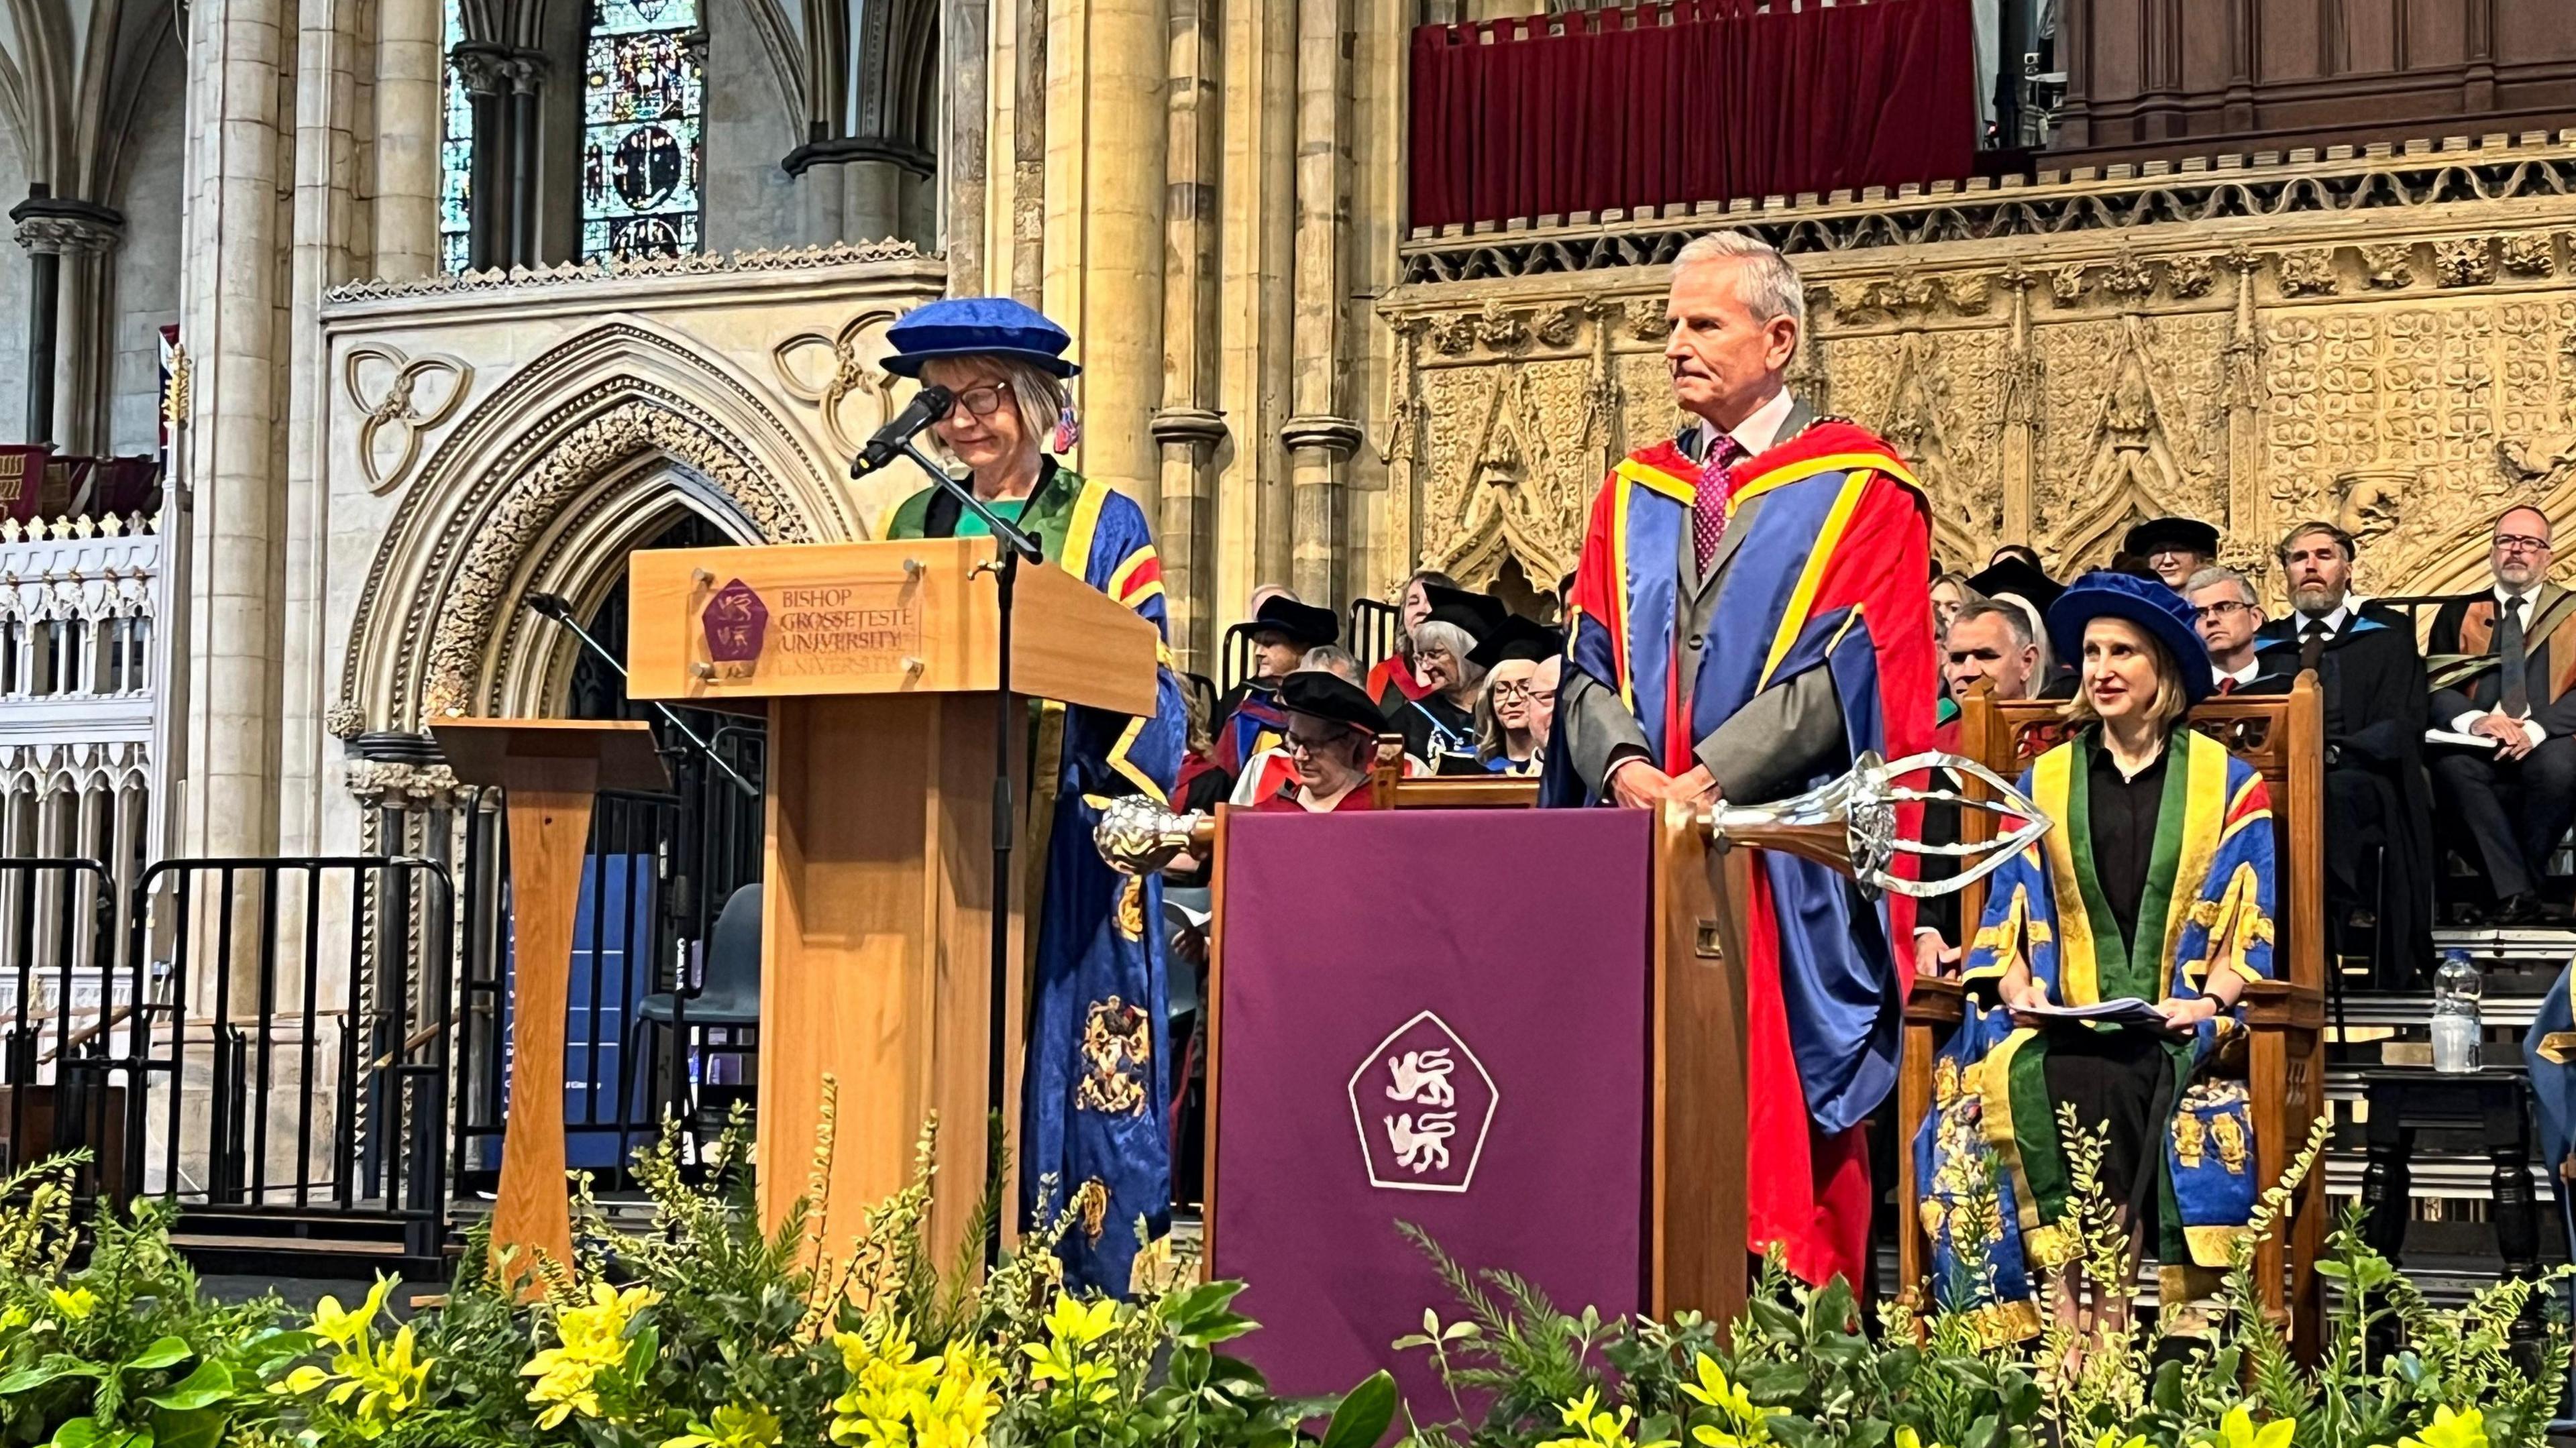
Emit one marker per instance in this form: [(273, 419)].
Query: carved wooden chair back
[(1390, 789)]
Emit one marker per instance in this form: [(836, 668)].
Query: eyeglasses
[(1293, 743), (2221, 609), (983, 401), (1505, 693), (2521, 543)]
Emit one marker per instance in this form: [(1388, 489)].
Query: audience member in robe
[(1396, 674), (1440, 727), (1265, 772), (2377, 806), (1990, 642), (2019, 552), (2102, 910), (2173, 549), (1331, 738), (2227, 615), (2016, 581), (2503, 666), (1950, 593), (1518, 704), (1282, 630)]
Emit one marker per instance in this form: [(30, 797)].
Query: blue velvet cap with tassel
[(978, 327)]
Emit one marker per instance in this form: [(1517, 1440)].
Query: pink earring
[(1068, 430)]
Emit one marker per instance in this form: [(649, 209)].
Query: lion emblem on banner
[(1117, 1056)]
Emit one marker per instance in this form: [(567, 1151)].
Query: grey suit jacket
[(1770, 748)]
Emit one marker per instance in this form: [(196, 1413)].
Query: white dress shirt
[(2239, 677), (1757, 432), (2520, 603)]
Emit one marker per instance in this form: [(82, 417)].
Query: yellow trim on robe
[(1802, 599), (1994, 1091), (1083, 529), (1618, 624), (1679, 489), (1119, 761), (2078, 975), (2203, 815), (1125, 572), (1150, 590), (1799, 472)]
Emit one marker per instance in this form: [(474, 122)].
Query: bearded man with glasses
[(2503, 669)]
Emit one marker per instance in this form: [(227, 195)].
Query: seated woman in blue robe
[(2155, 885)]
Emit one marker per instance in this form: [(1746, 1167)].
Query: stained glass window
[(455, 152), (641, 122)]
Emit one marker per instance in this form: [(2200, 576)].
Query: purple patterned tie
[(1708, 504)]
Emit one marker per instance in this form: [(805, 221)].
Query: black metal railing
[(243, 985), (63, 1014)]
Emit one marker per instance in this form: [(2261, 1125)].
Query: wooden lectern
[(877, 663), (548, 770)]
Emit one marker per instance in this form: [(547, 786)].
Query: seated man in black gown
[(2501, 664), (2376, 807)]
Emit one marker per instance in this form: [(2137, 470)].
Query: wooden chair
[(1390, 789), (2283, 737)]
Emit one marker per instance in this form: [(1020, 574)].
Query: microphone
[(550, 605), (928, 405)]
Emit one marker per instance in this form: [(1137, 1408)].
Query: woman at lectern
[(1092, 1136), (2151, 903)]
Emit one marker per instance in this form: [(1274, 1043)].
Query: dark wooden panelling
[(2149, 77)]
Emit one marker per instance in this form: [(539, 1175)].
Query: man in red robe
[(1749, 617)]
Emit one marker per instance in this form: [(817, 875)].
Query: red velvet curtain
[(1622, 109)]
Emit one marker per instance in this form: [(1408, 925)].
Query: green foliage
[(703, 1330), (1799, 1372)]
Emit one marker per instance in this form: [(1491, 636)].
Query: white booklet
[(2458, 740), (2125, 1011)]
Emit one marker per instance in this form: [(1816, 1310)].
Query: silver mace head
[(1850, 823), (1139, 837)]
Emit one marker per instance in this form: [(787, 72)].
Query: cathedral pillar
[(67, 244), (1320, 435), (232, 320), (485, 70), (1188, 427), (1256, 299), (410, 120), (1107, 65), (965, 43)]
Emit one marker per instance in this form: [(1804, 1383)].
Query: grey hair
[(2016, 622), (1768, 286), (2213, 576), (1335, 660), (1037, 393), (1431, 636)]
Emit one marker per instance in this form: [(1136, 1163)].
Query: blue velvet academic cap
[(2166, 616), (977, 327)]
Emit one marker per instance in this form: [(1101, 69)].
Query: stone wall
[(14, 267), (751, 124), (2384, 339), (145, 294)]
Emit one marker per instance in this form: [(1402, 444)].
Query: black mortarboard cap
[(1303, 623), (2157, 533), (2019, 579), (1518, 638), (1478, 613), (1322, 694)]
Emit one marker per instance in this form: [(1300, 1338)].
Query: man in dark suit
[(2372, 679), (2501, 666)]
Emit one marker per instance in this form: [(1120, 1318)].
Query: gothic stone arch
[(549, 479)]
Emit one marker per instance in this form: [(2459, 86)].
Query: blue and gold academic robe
[(1995, 1174), (1092, 1129)]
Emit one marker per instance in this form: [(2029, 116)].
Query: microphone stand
[(1015, 544), (749, 790)]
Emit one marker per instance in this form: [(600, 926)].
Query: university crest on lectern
[(1423, 1104)]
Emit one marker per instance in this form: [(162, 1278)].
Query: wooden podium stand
[(549, 770), (877, 665)]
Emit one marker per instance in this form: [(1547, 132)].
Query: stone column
[(485, 70), (1188, 427), (1258, 234), (67, 244), (1188, 437), (965, 43), (526, 71), (1107, 65), (231, 318), (410, 122), (1320, 436)]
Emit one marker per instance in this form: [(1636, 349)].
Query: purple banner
[(1439, 1017)]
